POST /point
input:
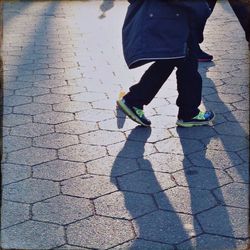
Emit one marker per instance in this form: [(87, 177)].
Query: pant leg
[(189, 86), (150, 83)]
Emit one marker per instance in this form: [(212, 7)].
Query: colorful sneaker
[(204, 57), (134, 113), (203, 118)]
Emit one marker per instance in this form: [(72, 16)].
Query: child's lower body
[(189, 86)]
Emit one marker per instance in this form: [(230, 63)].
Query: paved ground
[(78, 175)]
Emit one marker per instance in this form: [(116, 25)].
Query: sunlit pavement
[(78, 175)]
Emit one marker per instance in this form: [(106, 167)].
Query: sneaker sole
[(129, 113), (192, 124)]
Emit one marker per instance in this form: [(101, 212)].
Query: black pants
[(189, 85)]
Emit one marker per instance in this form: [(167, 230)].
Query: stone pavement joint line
[(78, 175)]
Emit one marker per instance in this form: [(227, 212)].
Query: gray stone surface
[(62, 209), (185, 200), (13, 213), (226, 221), (58, 170), (79, 174), (166, 227), (32, 156), (145, 182), (30, 190), (100, 232), (124, 205), (32, 235), (89, 186), (203, 178), (14, 172)]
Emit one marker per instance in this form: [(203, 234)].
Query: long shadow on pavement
[(154, 228)]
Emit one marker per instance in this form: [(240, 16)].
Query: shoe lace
[(139, 112)]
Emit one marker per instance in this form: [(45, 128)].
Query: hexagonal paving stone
[(233, 194), (212, 242), (99, 232), (131, 149), (32, 109), (166, 227), (164, 162), (32, 235), (16, 100), (94, 115), (215, 159), (13, 173), (143, 244), (238, 116), (33, 91), (12, 120), (89, 97), (239, 173), (196, 133), (51, 98), (163, 121), (32, 156), (13, 213), (70, 247), (102, 137), (13, 143), (58, 170), (62, 209), (55, 140), (124, 205), (185, 200), (179, 146), (224, 142), (76, 127), (68, 90), (82, 153), (203, 178), (30, 190), (72, 106), (233, 128), (53, 117), (145, 182), (117, 124), (143, 134), (112, 166), (89, 186), (225, 221), (32, 130)]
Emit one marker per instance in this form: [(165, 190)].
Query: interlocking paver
[(32, 235), (166, 227), (185, 200), (232, 194), (13, 143), (76, 127), (225, 221), (32, 109), (30, 190), (32, 130), (62, 209), (61, 83), (58, 170), (31, 156), (124, 205), (89, 186), (145, 182), (53, 117), (14, 172), (203, 178), (14, 213), (100, 232), (55, 140)]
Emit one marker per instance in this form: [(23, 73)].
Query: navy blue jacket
[(161, 29)]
